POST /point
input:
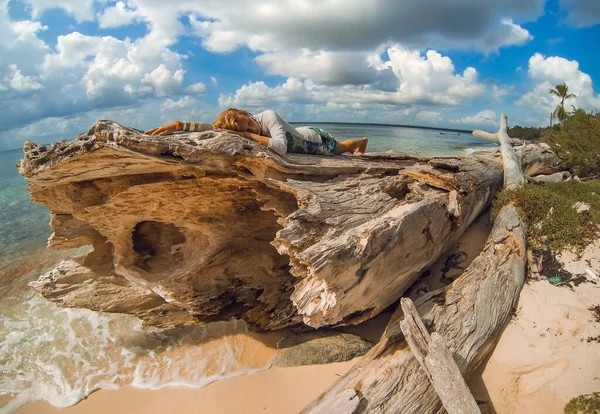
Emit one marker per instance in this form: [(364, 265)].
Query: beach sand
[(542, 360)]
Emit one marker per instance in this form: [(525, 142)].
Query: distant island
[(467, 131)]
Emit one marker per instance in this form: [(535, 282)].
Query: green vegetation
[(551, 219), (584, 404), (526, 133), (562, 91), (577, 141)]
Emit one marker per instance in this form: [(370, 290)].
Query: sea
[(62, 355)]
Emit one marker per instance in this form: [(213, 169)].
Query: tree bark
[(209, 226)]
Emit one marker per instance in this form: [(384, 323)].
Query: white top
[(274, 127)]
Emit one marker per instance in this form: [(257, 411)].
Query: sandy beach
[(277, 390), (545, 356), (542, 360)]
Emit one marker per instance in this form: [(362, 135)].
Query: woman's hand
[(163, 130)]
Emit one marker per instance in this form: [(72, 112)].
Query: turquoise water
[(62, 355), (24, 225), (412, 141)]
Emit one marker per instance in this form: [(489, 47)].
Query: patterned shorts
[(327, 146)]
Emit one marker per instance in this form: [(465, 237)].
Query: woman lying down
[(269, 129)]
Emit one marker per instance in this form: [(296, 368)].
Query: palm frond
[(559, 113)]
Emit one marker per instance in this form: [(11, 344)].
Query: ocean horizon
[(364, 125)]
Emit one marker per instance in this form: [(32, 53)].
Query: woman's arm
[(168, 129), (257, 138), (254, 137)]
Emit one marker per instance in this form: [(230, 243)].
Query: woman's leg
[(356, 146)]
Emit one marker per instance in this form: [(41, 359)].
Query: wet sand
[(277, 390)]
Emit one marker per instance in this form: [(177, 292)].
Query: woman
[(269, 129)]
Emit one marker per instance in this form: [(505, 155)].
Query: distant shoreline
[(466, 131)]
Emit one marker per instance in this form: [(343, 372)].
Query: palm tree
[(562, 91)]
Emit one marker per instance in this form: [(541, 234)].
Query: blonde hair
[(228, 119)]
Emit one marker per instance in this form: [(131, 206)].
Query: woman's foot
[(356, 146), (362, 146)]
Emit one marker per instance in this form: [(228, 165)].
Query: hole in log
[(245, 172), (397, 190), (170, 154), (153, 241)]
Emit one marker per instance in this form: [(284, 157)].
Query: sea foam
[(62, 355)]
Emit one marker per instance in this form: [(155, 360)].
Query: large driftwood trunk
[(468, 317), (204, 226)]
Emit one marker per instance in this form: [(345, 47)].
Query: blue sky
[(64, 64)]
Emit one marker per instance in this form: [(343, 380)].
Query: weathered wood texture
[(437, 362), (539, 159), (207, 226), (469, 315)]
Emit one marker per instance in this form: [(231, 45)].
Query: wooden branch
[(550, 178), (453, 204), (513, 175), (437, 362)]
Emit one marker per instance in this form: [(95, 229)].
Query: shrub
[(550, 216), (584, 404), (526, 133), (577, 141)]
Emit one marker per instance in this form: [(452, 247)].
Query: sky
[(64, 64)]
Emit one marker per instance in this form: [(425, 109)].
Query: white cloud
[(214, 81), (582, 13), (19, 43), (82, 10), (278, 25), (197, 88), (546, 73), (118, 15), (164, 81), (184, 102), (500, 91), (485, 117), (107, 66), (430, 116), (429, 79), (432, 78), (21, 82), (508, 34), (324, 67)]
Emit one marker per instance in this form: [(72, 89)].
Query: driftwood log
[(437, 362), (469, 315), (208, 226)]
